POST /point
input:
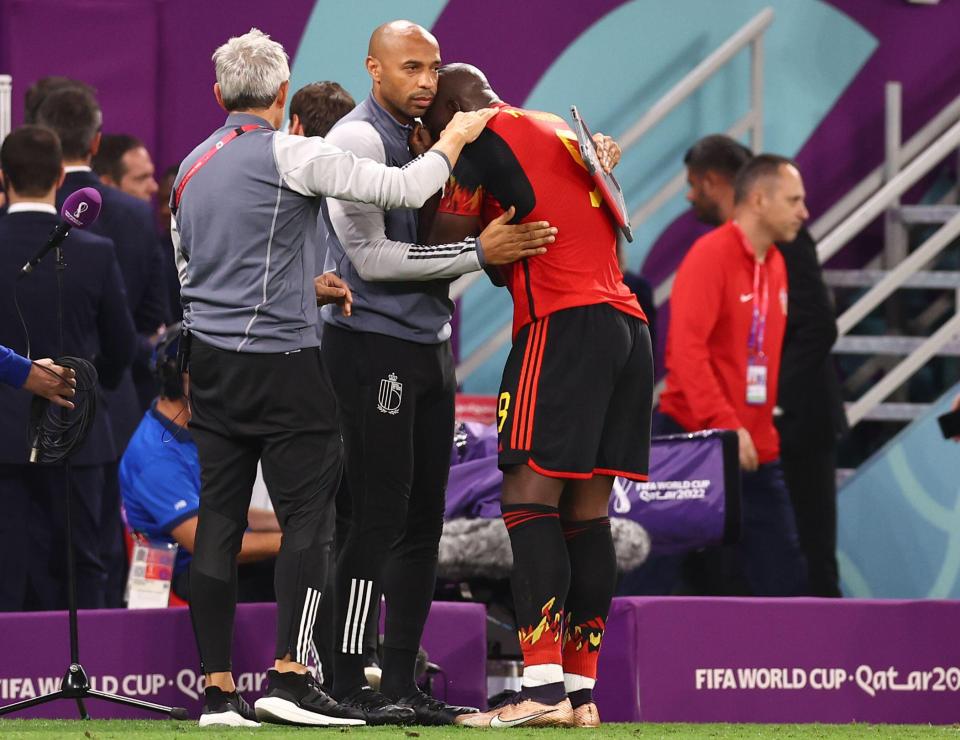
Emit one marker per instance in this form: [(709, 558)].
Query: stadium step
[(902, 412), (926, 214), (930, 279), (889, 345)]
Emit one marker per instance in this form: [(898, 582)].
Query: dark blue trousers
[(767, 561), (33, 554)]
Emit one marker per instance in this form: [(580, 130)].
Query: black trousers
[(811, 475), (323, 631), (278, 409), (33, 549), (396, 402)]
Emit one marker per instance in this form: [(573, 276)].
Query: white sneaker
[(230, 710)]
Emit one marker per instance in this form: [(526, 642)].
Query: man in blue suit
[(73, 113), (96, 326)]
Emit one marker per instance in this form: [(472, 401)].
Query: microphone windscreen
[(81, 207)]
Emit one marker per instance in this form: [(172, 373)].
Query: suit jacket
[(809, 393), (129, 224), (96, 322)]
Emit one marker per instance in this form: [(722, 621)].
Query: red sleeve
[(459, 200), (695, 304)]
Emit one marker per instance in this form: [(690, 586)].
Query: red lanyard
[(760, 308), (230, 136)]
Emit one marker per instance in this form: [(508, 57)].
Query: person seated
[(160, 484)]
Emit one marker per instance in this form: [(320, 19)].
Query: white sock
[(575, 682), (541, 675)]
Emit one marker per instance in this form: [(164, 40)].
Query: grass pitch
[(38, 729)]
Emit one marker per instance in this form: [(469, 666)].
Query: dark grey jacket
[(400, 288)]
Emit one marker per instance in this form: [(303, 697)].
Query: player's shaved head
[(402, 60), (467, 85), (460, 87), (389, 38)]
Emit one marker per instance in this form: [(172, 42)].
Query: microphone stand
[(75, 684)]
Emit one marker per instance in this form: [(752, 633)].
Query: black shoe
[(432, 711), (296, 699), (378, 709), (221, 708)]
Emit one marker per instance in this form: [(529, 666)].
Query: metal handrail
[(6, 107), (878, 194), (836, 214), (751, 33), (857, 410), (879, 201), (896, 277)]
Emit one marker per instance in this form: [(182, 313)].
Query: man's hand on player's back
[(503, 243)]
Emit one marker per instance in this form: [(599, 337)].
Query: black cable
[(55, 432), (23, 321)]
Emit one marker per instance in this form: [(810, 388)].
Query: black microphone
[(80, 209)]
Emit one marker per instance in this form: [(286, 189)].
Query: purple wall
[(148, 59)]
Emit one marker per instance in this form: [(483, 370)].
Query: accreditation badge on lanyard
[(756, 359)]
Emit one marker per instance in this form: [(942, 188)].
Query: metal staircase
[(899, 313)]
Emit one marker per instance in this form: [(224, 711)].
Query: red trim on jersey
[(556, 473), (585, 476), (517, 411), (621, 474), (525, 410), (528, 440)]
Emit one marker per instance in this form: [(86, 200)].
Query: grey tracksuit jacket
[(245, 230)]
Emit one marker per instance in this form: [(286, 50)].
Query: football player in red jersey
[(575, 401)]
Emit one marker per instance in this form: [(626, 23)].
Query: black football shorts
[(576, 395)]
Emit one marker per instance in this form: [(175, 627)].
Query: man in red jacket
[(728, 316)]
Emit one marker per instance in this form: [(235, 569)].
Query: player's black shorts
[(576, 395)]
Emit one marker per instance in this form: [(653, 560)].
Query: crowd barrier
[(664, 659), (150, 654), (780, 660)]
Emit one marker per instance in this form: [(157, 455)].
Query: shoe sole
[(274, 709), (226, 719)]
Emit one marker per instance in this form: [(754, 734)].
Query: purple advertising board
[(150, 654), (691, 500), (693, 496), (780, 660)]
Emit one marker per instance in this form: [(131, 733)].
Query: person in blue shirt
[(160, 484), (41, 377)]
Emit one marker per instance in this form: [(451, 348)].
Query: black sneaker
[(296, 699), (432, 711), (221, 708), (378, 709)]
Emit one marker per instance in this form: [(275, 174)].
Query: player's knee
[(217, 543), (311, 526)]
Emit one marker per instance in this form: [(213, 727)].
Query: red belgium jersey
[(531, 160)]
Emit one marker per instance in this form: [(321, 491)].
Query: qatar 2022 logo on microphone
[(76, 215)]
